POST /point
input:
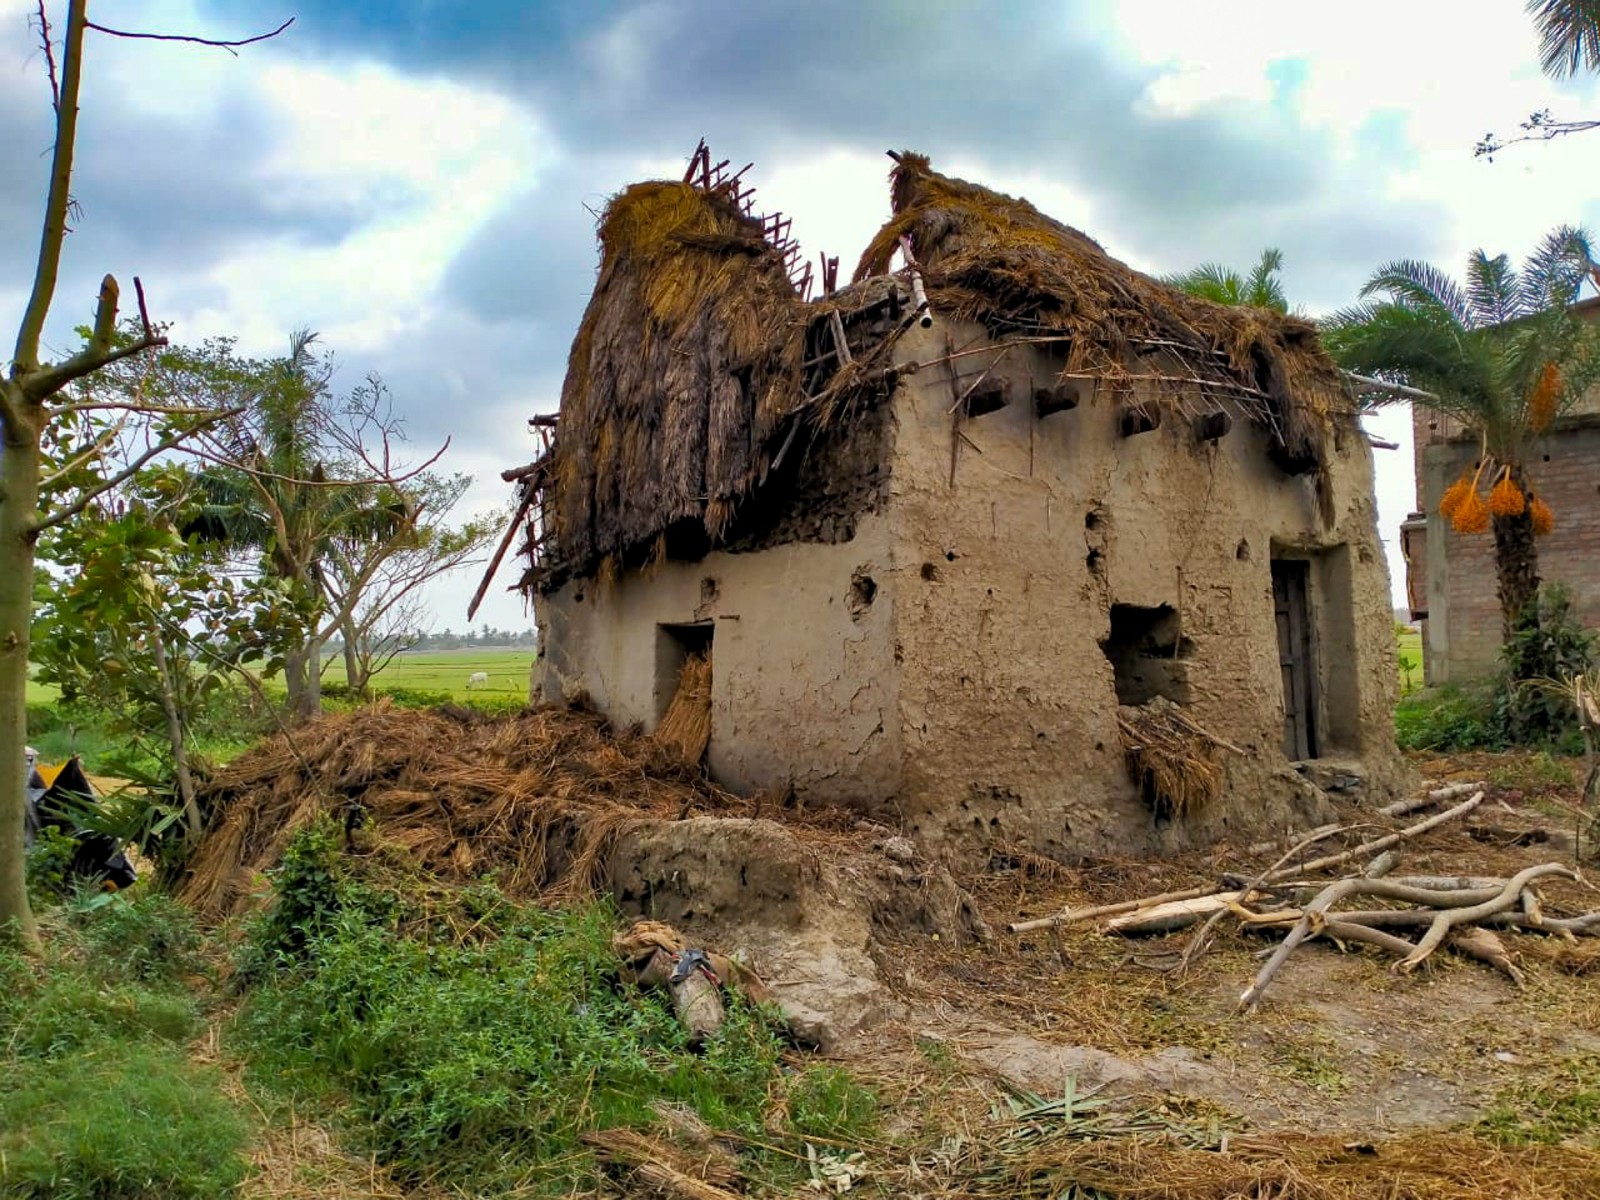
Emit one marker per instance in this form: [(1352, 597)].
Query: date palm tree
[(1259, 289), (1504, 355), (1569, 35)]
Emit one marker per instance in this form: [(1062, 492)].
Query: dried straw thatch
[(1172, 759), (689, 355), (997, 260), (686, 727), (538, 797)]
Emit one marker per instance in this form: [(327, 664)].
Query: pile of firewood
[(1301, 899)]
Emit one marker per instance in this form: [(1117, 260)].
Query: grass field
[(1410, 659), (449, 670)]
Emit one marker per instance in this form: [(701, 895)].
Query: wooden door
[(1291, 605)]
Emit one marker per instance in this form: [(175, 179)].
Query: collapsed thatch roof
[(696, 353), (1000, 261), (688, 356)]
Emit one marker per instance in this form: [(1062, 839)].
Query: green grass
[(99, 1099), (449, 670), (1564, 1106), (479, 1063)]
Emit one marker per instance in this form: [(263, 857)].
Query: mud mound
[(538, 797)]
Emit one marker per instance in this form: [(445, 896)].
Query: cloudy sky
[(416, 179)]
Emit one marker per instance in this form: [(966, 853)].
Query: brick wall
[(1464, 609)]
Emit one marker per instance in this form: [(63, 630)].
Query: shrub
[(1448, 719), (48, 865), (1547, 647), (141, 934), (137, 1124), (481, 1063)]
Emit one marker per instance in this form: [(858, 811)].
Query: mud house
[(1008, 545), (1450, 577)]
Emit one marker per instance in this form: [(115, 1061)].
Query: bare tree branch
[(49, 58), (40, 524), (25, 358), (185, 37), (42, 383), (1539, 127)]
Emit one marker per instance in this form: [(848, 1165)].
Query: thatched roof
[(997, 260), (688, 356), (697, 356)]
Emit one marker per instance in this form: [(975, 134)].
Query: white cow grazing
[(477, 679)]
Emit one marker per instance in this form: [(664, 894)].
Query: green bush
[(48, 865), (140, 934), (480, 1063), (1546, 649), (1448, 719), (140, 1123)]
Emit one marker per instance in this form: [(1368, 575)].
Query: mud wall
[(803, 687), (1014, 536)]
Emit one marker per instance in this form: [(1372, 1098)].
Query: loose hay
[(1173, 760), (686, 727), (1422, 1166), (538, 797)]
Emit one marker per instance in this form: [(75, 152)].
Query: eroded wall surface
[(1013, 537), (803, 686)]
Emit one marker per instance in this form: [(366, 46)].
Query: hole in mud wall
[(863, 591), (1147, 652), (674, 645), (1243, 552), (930, 572), (1096, 562)]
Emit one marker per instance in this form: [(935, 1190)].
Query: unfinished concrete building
[(1011, 546), (1450, 577)]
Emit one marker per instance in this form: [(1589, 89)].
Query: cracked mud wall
[(1004, 582), (803, 691)]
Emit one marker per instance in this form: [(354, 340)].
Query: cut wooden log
[(1450, 918), (1175, 914), (1483, 945)]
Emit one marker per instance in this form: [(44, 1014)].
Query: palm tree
[(1504, 356), (1569, 35), (1260, 289)]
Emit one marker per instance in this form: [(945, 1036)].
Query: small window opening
[(987, 396), (675, 645), (863, 591), (1147, 652)]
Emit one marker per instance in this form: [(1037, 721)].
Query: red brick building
[(1450, 579)]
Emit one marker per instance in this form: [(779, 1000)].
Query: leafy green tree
[(1505, 356), (145, 628), (1261, 288), (30, 412)]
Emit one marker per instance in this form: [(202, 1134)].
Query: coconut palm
[(1504, 355), (1260, 289), (1569, 35)]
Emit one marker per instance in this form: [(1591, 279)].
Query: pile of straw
[(537, 797), (997, 260), (1172, 759), (686, 727), (688, 357)]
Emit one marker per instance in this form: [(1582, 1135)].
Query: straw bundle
[(998, 260), (686, 727), (538, 797), (1173, 760), (687, 358)]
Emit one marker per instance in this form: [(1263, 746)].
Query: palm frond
[(1493, 289), (1211, 281), (1556, 271), (1569, 35), (1419, 348), (1421, 286), (1264, 289)]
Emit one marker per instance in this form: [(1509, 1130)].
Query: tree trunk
[(176, 736), (19, 500), (1516, 562), (355, 674)]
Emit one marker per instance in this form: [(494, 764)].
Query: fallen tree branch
[(1451, 917)]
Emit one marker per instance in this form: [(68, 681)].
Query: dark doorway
[(1291, 604)]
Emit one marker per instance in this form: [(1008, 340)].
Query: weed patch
[(1562, 1107)]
